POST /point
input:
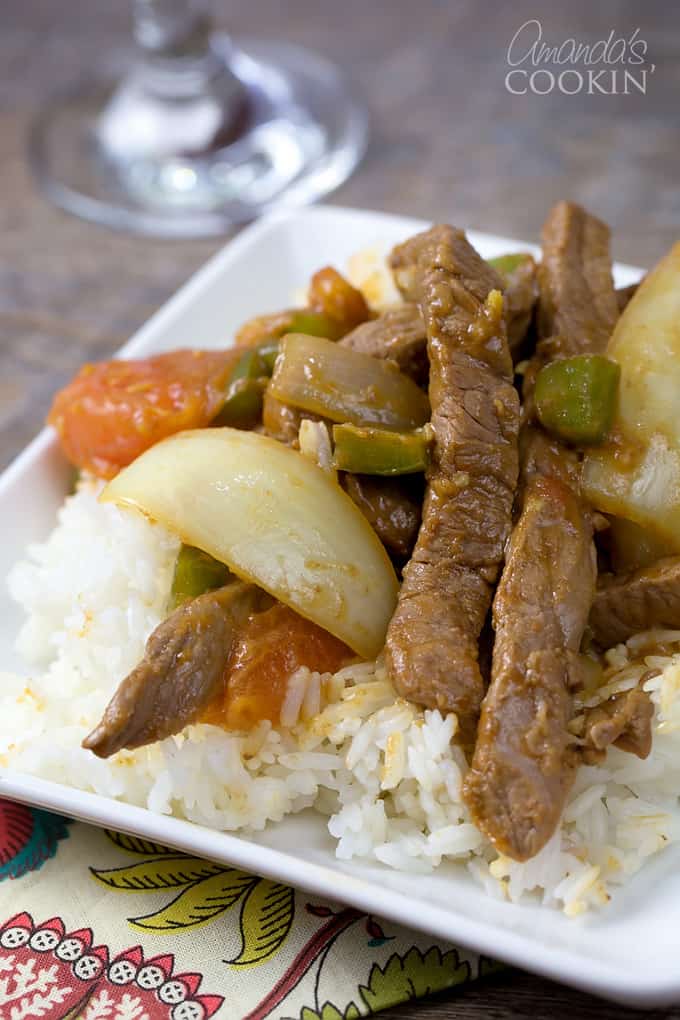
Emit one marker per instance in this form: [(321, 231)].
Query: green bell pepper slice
[(576, 397), (196, 573), (374, 451), (506, 265)]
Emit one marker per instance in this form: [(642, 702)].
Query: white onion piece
[(315, 444), (636, 474), (274, 518)]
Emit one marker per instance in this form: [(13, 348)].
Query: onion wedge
[(636, 474), (274, 518)]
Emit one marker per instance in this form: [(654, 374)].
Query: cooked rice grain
[(386, 773)]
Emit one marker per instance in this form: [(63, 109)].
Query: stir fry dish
[(476, 487)]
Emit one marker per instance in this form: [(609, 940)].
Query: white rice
[(387, 774)]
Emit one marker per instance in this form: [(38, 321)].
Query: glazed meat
[(624, 720), (577, 298), (181, 673), (523, 762), (432, 641), (399, 334), (390, 506), (519, 289), (520, 294), (522, 766), (635, 602), (281, 421)]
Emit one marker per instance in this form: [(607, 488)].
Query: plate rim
[(561, 963)]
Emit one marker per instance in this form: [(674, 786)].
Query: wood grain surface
[(448, 142)]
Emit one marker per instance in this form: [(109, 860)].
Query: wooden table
[(448, 142)]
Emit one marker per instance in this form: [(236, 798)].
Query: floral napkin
[(98, 925)]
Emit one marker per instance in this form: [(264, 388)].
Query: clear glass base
[(275, 126)]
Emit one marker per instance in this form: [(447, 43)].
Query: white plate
[(629, 952)]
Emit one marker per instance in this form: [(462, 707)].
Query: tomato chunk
[(334, 296), (269, 649), (113, 411)]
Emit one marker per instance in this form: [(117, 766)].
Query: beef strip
[(282, 421), (409, 348), (398, 334), (432, 641), (390, 506), (180, 675), (638, 601), (624, 720), (523, 763), (577, 298), (520, 294)]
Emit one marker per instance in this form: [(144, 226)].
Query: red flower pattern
[(47, 972)]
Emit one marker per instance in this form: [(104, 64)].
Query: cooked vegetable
[(195, 574), (112, 412), (576, 398), (315, 443), (636, 475), (252, 364), (265, 328), (334, 296), (372, 451), (633, 547), (268, 649), (274, 518), (315, 323), (268, 353), (346, 385), (507, 264), (242, 407)]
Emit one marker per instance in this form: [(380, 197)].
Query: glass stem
[(171, 28)]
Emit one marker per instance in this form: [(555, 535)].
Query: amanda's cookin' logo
[(613, 66)]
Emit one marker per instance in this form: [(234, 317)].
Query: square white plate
[(629, 952)]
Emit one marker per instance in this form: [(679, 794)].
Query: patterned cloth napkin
[(97, 925)]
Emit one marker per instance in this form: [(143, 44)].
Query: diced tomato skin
[(111, 412), (270, 648), (334, 296)]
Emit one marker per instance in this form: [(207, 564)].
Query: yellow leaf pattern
[(137, 845), (203, 891), (266, 919), (200, 902), (158, 873)]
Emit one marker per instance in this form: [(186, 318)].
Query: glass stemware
[(202, 133)]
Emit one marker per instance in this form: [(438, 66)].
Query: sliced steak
[(180, 675), (281, 421), (519, 288), (391, 507), (577, 298), (635, 602), (624, 720), (520, 293), (523, 761), (523, 764), (399, 334), (432, 641)]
